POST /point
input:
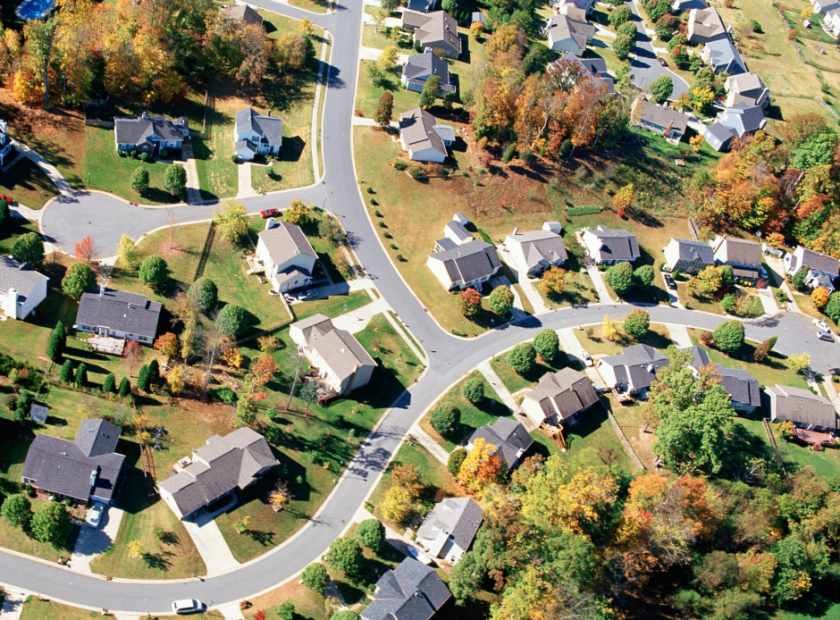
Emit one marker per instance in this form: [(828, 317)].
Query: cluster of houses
[(568, 29), (830, 10)]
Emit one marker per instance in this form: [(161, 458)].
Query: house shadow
[(293, 148)]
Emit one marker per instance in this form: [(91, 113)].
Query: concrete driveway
[(91, 542)]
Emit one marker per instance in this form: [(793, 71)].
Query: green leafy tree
[(798, 564), (445, 419), (29, 248), (81, 375), (729, 336), (627, 29), (832, 308), (175, 181), (51, 524), (622, 46), (644, 276), (384, 110), (345, 554), (522, 358), (58, 341), (230, 220), (125, 387), (637, 324), (66, 373), (109, 384), (315, 577), (17, 510), (469, 302), (817, 151), (662, 87), (474, 389), (547, 344), (371, 534), (431, 91), (799, 363), (286, 611), (620, 278), (205, 294), (78, 279), (4, 211), (143, 382), (620, 15), (456, 459), (140, 181), (665, 26), (501, 300), (154, 372), (154, 272), (387, 60), (232, 320)]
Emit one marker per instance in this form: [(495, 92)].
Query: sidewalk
[(679, 334), (13, 604), (425, 440), (369, 122), (493, 379), (51, 171), (768, 300), (211, 545)]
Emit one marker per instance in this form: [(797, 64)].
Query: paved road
[(449, 357)]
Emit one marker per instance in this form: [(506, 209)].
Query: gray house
[(437, 30), (448, 529), (663, 120), (221, 468), (634, 370), (257, 134), (509, 436), (822, 269), (463, 266), (688, 256), (150, 134), (705, 25), (537, 250), (118, 315), (743, 118), (411, 591), (608, 246), (800, 406), (746, 87), (722, 55), (560, 398), (85, 469), (743, 389), (21, 288), (421, 67), (243, 14), (565, 34), (594, 68), (719, 136), (742, 255)]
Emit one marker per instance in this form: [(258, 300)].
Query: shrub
[(382, 225), (445, 419), (474, 389), (286, 611), (66, 373), (163, 153), (17, 510), (387, 235), (143, 382), (205, 294), (393, 246), (125, 387), (522, 358), (627, 29), (510, 151), (51, 523), (232, 320), (400, 258), (58, 340), (154, 272), (622, 45), (81, 375), (728, 303), (144, 156), (122, 154), (729, 336), (762, 351), (637, 324), (707, 339), (501, 300), (644, 275), (620, 278), (345, 554), (315, 577), (584, 210), (110, 383), (547, 344), (234, 158), (469, 302), (832, 308), (371, 534), (400, 165), (453, 466)]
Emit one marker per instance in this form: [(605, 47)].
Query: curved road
[(449, 357)]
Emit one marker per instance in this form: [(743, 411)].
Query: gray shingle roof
[(337, 347), (540, 245), (741, 386), (695, 250), (417, 130), (706, 24), (420, 67), (664, 117), (284, 241), (799, 405), (725, 57), (560, 27), (269, 128), (616, 243), (470, 261), (412, 591), (437, 27), (458, 230), (720, 132), (637, 364), (815, 260), (743, 118), (126, 312), (509, 437), (739, 251), (138, 130), (563, 393), (458, 517), (19, 276), (244, 13)]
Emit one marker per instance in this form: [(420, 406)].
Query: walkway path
[(493, 379), (193, 184), (13, 604), (371, 53), (51, 171), (359, 318), (598, 282), (243, 171), (425, 440), (211, 545), (768, 300)]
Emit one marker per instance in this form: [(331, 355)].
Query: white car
[(418, 555), (827, 336), (585, 358), (187, 606), (821, 325), (94, 515)]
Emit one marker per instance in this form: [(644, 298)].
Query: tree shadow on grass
[(158, 561), (265, 539), (351, 593)]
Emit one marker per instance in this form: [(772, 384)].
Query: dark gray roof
[(19, 276), (739, 251), (245, 144), (637, 365), (417, 130), (458, 230), (563, 393), (458, 517), (815, 260), (126, 312), (412, 591), (509, 436), (695, 250), (244, 13), (799, 405), (138, 130), (269, 128), (664, 117), (616, 243), (720, 132), (420, 67), (65, 467), (741, 386), (560, 28), (540, 245), (470, 261), (445, 244)]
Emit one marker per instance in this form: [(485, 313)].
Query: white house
[(257, 134), (688, 256), (742, 255), (21, 288), (341, 361), (705, 25), (822, 269), (449, 528), (561, 6), (831, 22), (287, 255), (824, 6), (560, 398), (537, 250), (118, 314), (423, 137), (568, 35), (608, 246), (748, 88), (463, 266), (5, 142)]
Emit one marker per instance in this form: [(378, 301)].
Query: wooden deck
[(105, 344), (815, 439)]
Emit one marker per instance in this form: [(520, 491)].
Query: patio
[(106, 344), (324, 391), (815, 439)]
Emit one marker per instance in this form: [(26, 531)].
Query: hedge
[(585, 210)]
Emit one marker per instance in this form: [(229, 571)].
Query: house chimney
[(269, 223), (93, 475), (101, 291), (515, 230)]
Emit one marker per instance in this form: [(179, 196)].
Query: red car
[(269, 213), (8, 199)]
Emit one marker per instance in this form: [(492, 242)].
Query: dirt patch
[(218, 417)]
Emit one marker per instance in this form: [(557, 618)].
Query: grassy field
[(595, 344), (710, 304), (807, 306), (13, 228), (368, 98), (376, 37), (638, 423), (514, 382), (825, 463), (26, 183), (106, 171), (308, 605), (217, 175), (310, 5)]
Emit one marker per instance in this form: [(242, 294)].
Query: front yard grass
[(754, 307), (26, 183), (592, 339), (373, 36), (217, 175), (37, 609), (309, 605), (579, 289), (332, 306), (807, 306), (404, 100), (514, 382), (310, 5)]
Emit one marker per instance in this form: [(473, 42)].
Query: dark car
[(269, 213), (669, 282), (834, 371), (662, 62)]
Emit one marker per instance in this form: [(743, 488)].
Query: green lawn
[(308, 605), (310, 5), (825, 463), (26, 183), (754, 307), (332, 306), (579, 288), (327, 249), (376, 37), (105, 170), (592, 340), (514, 382), (368, 94), (217, 175), (36, 609)]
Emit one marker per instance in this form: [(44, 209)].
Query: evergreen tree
[(66, 374), (58, 340), (143, 378), (110, 382), (154, 372), (81, 375), (125, 387)]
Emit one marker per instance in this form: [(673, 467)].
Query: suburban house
[(437, 30), (567, 35), (705, 25), (743, 389), (537, 250), (744, 256), (743, 118), (510, 438), (257, 134), (719, 136), (823, 270), (824, 6), (608, 246), (560, 398), (336, 354), (457, 233), (5, 142), (421, 67), (118, 314), (412, 591), (423, 137), (286, 254), (448, 529), (21, 288), (85, 469), (150, 134), (463, 266), (243, 14), (723, 57), (831, 22), (688, 256), (800, 406), (587, 6), (633, 370), (748, 88), (661, 119), (223, 467), (595, 68)]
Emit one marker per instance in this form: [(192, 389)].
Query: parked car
[(187, 606), (94, 515), (821, 325), (763, 273), (669, 282), (585, 358), (662, 62), (269, 213), (827, 336)]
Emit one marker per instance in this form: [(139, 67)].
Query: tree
[(140, 181), (474, 389), (66, 373), (501, 300), (81, 378), (297, 213), (456, 459), (305, 27), (29, 248), (622, 45), (620, 15), (58, 341), (445, 419), (799, 363), (40, 36), (623, 198), (205, 294), (701, 96), (315, 577), (637, 324), (644, 275), (620, 278), (143, 382), (280, 496), (832, 309), (154, 272), (4, 211), (522, 358), (553, 281), (665, 26), (469, 302), (286, 611), (627, 29), (109, 384), (799, 278), (127, 251), (17, 510), (85, 250), (729, 336), (476, 29), (371, 534), (176, 380), (388, 58), (168, 345), (610, 331), (51, 524), (397, 504), (662, 87), (80, 278), (230, 220), (547, 344), (385, 110), (135, 549), (482, 466), (125, 387), (345, 554), (231, 320), (819, 297), (696, 142), (431, 91), (175, 181)]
